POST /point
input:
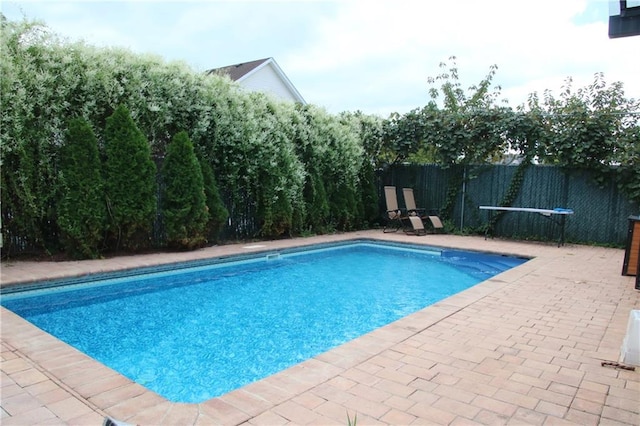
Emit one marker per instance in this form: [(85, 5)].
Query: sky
[(374, 56)]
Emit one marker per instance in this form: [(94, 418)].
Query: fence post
[(464, 189)]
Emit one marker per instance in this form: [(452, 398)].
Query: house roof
[(237, 71), (242, 71)]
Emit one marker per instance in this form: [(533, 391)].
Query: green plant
[(81, 209), (592, 128), (183, 197), (354, 421), (216, 211), (510, 195), (130, 181)]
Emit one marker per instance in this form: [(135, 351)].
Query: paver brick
[(399, 403), (39, 415), (69, 408), (333, 410), (455, 392), (627, 393), (376, 394), (550, 396), (586, 406), (395, 376), (397, 417), (488, 417), (456, 407), (431, 415), (360, 376), (367, 407), (418, 372), (562, 389), (294, 412), (632, 405), (514, 386), (525, 416), (518, 399), (530, 381), (582, 417), (570, 380), (395, 388), (268, 418), (309, 400), (181, 414), (617, 414), (492, 404), (551, 409)]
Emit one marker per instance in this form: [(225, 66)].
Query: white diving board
[(548, 213)]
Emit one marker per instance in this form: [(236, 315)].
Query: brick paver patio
[(525, 347)]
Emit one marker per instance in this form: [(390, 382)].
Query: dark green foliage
[(217, 212), (369, 193), (81, 209), (317, 206), (512, 192), (28, 199), (283, 169), (594, 129), (130, 181), (183, 196), (343, 207)]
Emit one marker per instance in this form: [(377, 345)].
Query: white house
[(263, 75)]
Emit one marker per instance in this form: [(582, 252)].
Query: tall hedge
[(263, 153), (81, 209), (130, 180), (183, 198)]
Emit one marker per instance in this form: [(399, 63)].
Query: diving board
[(548, 213)]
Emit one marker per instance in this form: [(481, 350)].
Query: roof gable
[(249, 73), (238, 71)]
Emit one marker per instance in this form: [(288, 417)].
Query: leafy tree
[(31, 129), (369, 195), (629, 169), (130, 181), (369, 131), (81, 209), (183, 196), (279, 172), (469, 127), (404, 136), (592, 128), (217, 213)]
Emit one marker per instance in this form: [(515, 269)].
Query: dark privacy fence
[(600, 212)]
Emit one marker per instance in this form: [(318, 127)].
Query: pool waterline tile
[(549, 276)]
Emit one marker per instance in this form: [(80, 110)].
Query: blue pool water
[(191, 334)]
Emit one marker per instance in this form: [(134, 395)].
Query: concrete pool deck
[(525, 347)]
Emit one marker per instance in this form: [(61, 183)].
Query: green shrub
[(130, 180), (81, 209), (183, 195), (217, 212), (369, 194)]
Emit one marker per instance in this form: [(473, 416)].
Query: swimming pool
[(193, 333)]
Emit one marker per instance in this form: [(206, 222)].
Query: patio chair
[(412, 210), (417, 226), (394, 216)]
